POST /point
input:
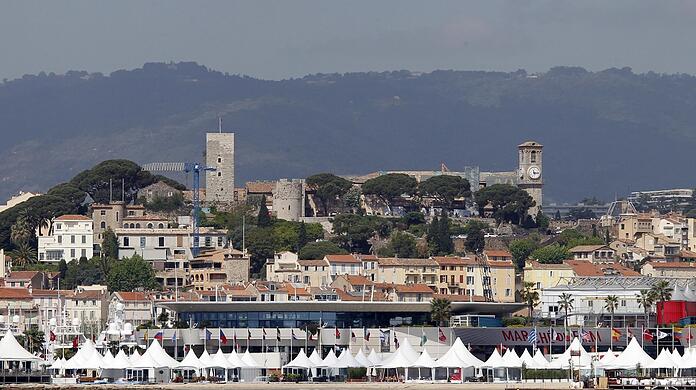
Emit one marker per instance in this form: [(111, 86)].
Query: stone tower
[(530, 175), (288, 199), (219, 153)]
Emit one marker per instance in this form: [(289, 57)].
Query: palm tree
[(611, 302), (440, 310), (662, 292), (565, 303), (22, 255), (21, 230), (530, 296), (645, 300)]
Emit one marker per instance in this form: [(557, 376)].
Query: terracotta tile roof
[(260, 187), (687, 254), (413, 288), (666, 265), (133, 296), (145, 218), (587, 248), (587, 268), (500, 264), (73, 217), (50, 293), (497, 253), (358, 280), (292, 290), (22, 275), (312, 263), (14, 293), (534, 265), (88, 294), (367, 257), (342, 259), (444, 261), (406, 262)]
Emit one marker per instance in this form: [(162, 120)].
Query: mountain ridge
[(604, 132)]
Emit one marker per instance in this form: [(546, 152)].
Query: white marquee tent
[(631, 357), (300, 361)]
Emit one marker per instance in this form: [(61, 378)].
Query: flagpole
[(673, 337), (219, 338), (176, 344)]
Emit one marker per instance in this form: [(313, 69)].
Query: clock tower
[(530, 174)]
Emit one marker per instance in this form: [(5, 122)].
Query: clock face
[(534, 172)]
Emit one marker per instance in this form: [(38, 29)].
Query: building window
[(623, 303), (161, 225), (72, 239), (469, 280), (533, 156), (58, 226), (160, 241), (219, 174), (220, 243), (84, 239), (590, 303), (103, 212), (126, 241), (103, 225), (149, 225), (83, 252), (469, 269), (142, 242), (72, 253), (60, 239), (507, 292)]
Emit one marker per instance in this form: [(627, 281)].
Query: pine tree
[(264, 218), (301, 236), (446, 245), (434, 236)]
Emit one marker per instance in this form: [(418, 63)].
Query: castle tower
[(530, 172), (219, 184), (288, 199)]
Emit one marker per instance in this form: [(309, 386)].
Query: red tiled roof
[(50, 293), (587, 268), (534, 265), (679, 264), (22, 275), (358, 280), (500, 264), (88, 294), (73, 217), (312, 263), (443, 261), (260, 186), (406, 262), (497, 253), (460, 298), (133, 296), (342, 259), (14, 293)]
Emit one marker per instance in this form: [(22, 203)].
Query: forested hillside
[(604, 132)]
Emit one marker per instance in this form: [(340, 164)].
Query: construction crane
[(195, 169)]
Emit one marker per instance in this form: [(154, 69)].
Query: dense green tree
[(577, 213), (542, 221), (520, 251), (109, 246), (96, 181), (445, 189), (413, 218), (433, 236), (23, 254), (302, 238), (83, 272), (166, 204), (661, 292), (351, 199), (329, 188), (131, 274), (475, 241), (22, 231), (445, 243), (510, 203), (260, 244), (286, 234), (62, 269), (550, 254), (571, 238), (389, 187), (353, 232), (33, 340), (402, 245), (530, 296), (317, 250), (264, 217)]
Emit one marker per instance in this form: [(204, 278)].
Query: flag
[(424, 339), (630, 334), (647, 335), (555, 335), (75, 341), (396, 341), (278, 334), (248, 334), (159, 336), (688, 337), (615, 334), (367, 335), (532, 336), (223, 338), (382, 336), (661, 335), (263, 336), (585, 335), (292, 334), (352, 336), (52, 336), (441, 335), (174, 336), (338, 333), (234, 337), (310, 336), (208, 334)]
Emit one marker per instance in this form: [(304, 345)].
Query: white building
[(17, 199), (69, 238), (167, 243)]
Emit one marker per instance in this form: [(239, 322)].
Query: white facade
[(70, 238), (168, 243), (17, 199)]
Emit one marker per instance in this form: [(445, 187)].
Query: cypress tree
[(445, 239), (264, 218), (301, 236), (434, 236)]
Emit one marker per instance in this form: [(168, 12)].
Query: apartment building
[(70, 238), (137, 306), (405, 271), (166, 243)]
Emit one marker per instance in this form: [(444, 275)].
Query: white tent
[(107, 359), (607, 359), (424, 360), (401, 358), (330, 361), (346, 360), (134, 357), (249, 361), (495, 360), (87, 357), (663, 360), (362, 359), (145, 362), (374, 358), (688, 360), (527, 359), (205, 359), (10, 350), (677, 358), (58, 364), (160, 356), (234, 360), (575, 355), (511, 359), (407, 350), (191, 362), (631, 357), (540, 359), (218, 360), (119, 362), (300, 361), (458, 356), (315, 358)]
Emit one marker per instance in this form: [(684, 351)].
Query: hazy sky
[(279, 39)]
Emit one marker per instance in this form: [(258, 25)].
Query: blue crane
[(195, 169)]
